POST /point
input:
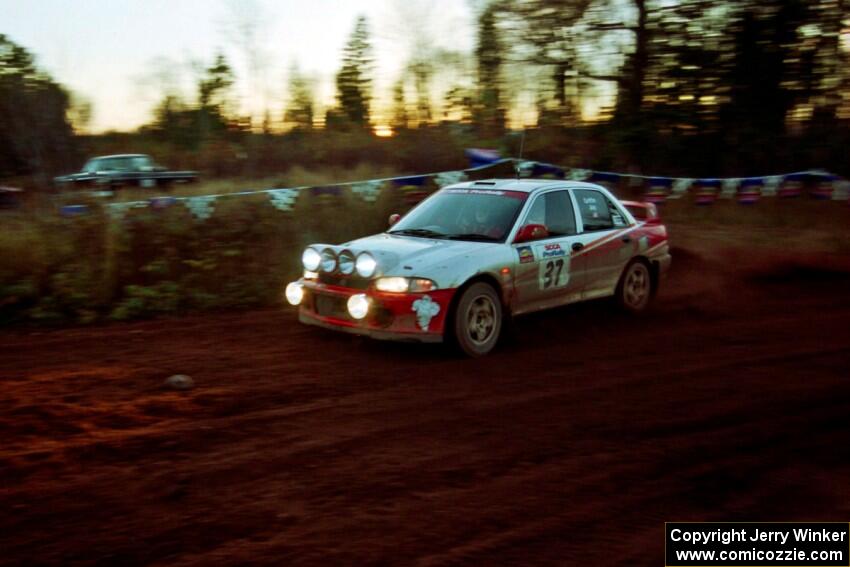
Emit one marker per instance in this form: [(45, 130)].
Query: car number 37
[(554, 273)]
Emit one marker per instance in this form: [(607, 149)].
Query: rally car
[(475, 253)]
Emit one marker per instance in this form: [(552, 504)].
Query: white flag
[(283, 199), (201, 207)]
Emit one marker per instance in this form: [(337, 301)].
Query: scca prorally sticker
[(553, 250), (425, 309), (526, 255)]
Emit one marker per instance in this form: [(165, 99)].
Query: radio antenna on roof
[(519, 157)]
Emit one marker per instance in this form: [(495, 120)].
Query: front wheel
[(478, 320), (635, 288)]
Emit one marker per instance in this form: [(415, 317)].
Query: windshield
[(464, 214)]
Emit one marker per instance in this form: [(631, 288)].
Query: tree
[(213, 89), (300, 107), (545, 33), (422, 71), (401, 119), (488, 54), (36, 137), (353, 82)]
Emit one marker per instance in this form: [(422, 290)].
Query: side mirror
[(531, 232), (394, 218)]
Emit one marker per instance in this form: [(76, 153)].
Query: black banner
[(763, 544)]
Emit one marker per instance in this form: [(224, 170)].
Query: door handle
[(626, 239), (577, 246)]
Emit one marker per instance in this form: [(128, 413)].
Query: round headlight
[(294, 293), (366, 265), (311, 259), (358, 305), (346, 262), (328, 262)]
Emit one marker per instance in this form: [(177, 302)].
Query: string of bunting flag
[(703, 191), (202, 207), (817, 184)]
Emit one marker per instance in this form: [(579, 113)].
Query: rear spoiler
[(643, 212)]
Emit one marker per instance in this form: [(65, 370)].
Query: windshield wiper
[(424, 232), (473, 236)]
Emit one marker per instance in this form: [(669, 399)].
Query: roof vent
[(491, 183)]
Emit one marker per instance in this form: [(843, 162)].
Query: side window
[(537, 214), (595, 210), (555, 210), (560, 217), (616, 216)]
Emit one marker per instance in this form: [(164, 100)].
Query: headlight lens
[(294, 293), (392, 285), (329, 261), (311, 259), (358, 305), (401, 285), (346, 262), (366, 265)]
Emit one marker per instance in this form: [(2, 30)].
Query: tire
[(477, 320), (634, 290)]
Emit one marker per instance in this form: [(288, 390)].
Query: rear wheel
[(635, 288), (478, 320)]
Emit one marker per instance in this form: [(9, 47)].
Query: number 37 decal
[(554, 273)]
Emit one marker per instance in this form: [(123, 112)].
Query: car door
[(606, 242), (546, 273)]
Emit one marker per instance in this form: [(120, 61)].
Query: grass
[(61, 270)]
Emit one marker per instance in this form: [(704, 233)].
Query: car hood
[(413, 256)]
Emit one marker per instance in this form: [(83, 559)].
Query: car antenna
[(519, 157)]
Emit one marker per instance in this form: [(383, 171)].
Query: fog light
[(311, 259), (358, 305), (294, 293)]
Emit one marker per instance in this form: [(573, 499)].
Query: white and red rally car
[(474, 253)]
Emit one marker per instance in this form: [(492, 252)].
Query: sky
[(120, 54)]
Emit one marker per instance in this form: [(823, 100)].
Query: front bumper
[(391, 316)]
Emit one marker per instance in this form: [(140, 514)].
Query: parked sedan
[(478, 252), (111, 172)]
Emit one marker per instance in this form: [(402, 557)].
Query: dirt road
[(570, 445)]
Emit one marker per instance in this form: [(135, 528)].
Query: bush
[(155, 261)]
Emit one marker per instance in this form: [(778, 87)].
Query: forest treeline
[(693, 87)]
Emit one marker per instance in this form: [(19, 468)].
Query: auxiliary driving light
[(346, 262), (366, 265), (329, 261), (311, 259), (294, 293), (358, 305)]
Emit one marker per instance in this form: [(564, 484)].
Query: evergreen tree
[(353, 82), (300, 108), (401, 120), (488, 54)]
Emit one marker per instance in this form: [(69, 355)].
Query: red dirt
[(573, 443)]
